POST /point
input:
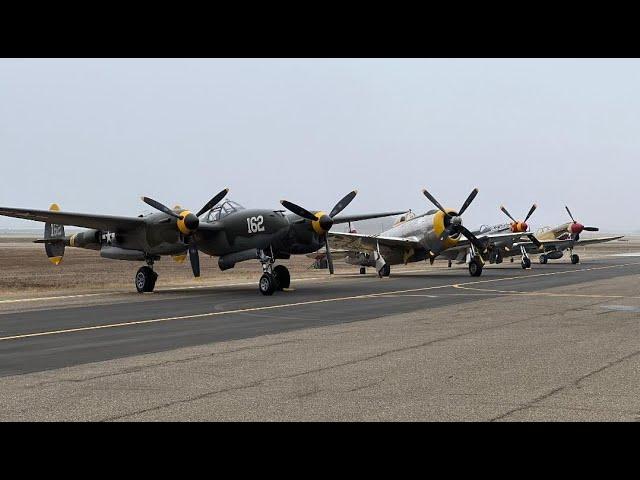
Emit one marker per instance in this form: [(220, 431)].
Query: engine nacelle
[(229, 261)]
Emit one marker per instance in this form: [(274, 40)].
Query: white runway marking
[(288, 305)]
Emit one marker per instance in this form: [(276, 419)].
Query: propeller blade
[(504, 210), (591, 229), (434, 201), (211, 203), (158, 206), (194, 258), (329, 258), (468, 201), (533, 209), (472, 238), (569, 212), (298, 210), (342, 204)]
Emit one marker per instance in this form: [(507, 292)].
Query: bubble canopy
[(222, 210)]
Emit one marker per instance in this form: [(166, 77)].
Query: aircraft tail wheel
[(363, 270), (282, 277), (526, 263), (145, 280), (267, 284), (575, 258), (543, 259), (475, 268)]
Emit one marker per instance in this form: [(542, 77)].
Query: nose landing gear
[(145, 279), (273, 278)]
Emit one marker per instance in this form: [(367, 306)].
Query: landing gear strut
[(145, 279), (526, 261), (475, 262), (273, 278)]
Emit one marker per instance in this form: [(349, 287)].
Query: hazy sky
[(95, 135)]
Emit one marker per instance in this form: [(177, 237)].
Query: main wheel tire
[(145, 280), (386, 270), (283, 278), (267, 284), (475, 268), (543, 259), (526, 263), (575, 258), (363, 270)]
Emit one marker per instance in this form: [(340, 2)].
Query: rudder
[(52, 233)]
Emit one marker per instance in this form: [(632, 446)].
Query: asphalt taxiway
[(500, 330)]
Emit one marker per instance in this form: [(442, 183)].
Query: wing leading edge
[(99, 222)]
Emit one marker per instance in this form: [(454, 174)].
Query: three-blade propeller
[(321, 221), (516, 225), (187, 223), (577, 228), (454, 223)]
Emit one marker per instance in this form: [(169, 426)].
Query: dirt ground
[(25, 270)]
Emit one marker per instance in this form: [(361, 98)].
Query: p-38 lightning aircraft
[(228, 231), (419, 237)]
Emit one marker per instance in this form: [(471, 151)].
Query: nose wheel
[(273, 278), (145, 280)]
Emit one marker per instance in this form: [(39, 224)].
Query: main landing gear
[(273, 278), (526, 261), (385, 271), (475, 267), (145, 279), (575, 259)]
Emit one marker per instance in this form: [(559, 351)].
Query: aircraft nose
[(191, 222), (577, 227), (326, 222)]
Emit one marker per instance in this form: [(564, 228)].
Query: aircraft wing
[(487, 238), (365, 216), (361, 242), (563, 244), (99, 222)]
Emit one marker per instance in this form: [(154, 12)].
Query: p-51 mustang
[(228, 231), (419, 237), (551, 243)]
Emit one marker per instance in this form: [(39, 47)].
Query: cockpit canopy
[(403, 218), (222, 210)]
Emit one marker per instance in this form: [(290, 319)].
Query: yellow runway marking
[(296, 304)]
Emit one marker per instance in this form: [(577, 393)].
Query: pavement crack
[(575, 383), (141, 368), (258, 383)]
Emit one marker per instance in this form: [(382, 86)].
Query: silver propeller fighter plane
[(436, 233)]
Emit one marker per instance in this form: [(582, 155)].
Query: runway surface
[(52, 333)]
